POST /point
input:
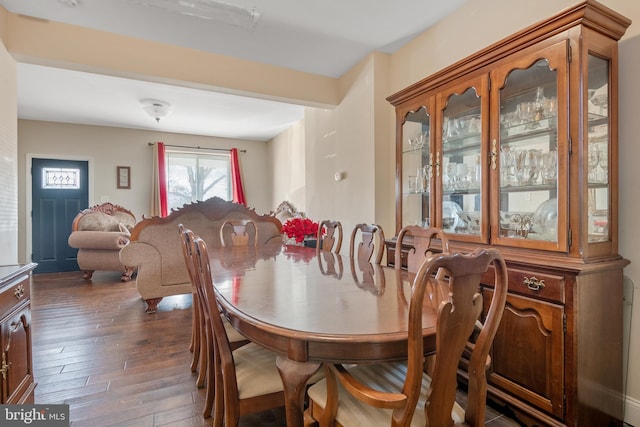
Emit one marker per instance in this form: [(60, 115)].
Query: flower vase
[(310, 242)]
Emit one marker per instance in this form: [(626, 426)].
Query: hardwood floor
[(95, 349)]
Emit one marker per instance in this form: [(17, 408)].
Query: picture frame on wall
[(124, 177)]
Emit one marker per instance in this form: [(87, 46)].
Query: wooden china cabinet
[(516, 147)]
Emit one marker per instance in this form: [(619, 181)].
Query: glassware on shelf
[(507, 166), (593, 159), (450, 215), (539, 104), (412, 184), (545, 220), (603, 163), (549, 166)]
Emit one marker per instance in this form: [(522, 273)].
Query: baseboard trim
[(632, 412)]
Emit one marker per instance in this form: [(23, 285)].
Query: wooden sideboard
[(17, 384)]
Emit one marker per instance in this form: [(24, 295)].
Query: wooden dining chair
[(421, 244), (201, 338), (238, 232), (246, 379), (329, 236), (371, 241), (401, 393), (196, 319)]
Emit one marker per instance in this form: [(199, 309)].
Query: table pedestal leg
[(294, 379)]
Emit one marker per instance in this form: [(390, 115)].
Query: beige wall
[(341, 140), (286, 162), (480, 23), (8, 153), (107, 147)]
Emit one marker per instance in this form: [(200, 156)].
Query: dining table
[(313, 307)]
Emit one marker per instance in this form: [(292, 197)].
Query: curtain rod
[(151, 144)]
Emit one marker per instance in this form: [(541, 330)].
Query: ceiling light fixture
[(209, 9), (69, 3), (156, 108)]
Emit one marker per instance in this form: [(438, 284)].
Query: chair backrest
[(239, 232), (458, 315), (371, 240), (421, 245), (329, 236), (223, 361), (186, 237)]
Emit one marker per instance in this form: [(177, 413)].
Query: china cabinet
[(16, 371), (516, 147)]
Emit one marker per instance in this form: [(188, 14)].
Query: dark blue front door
[(59, 191)]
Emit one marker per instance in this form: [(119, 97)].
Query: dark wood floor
[(95, 349)]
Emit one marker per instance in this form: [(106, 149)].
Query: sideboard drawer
[(534, 284), (14, 293)]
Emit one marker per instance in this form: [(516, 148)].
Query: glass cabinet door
[(530, 152), (416, 168), (598, 150), (460, 160)]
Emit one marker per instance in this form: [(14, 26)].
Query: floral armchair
[(99, 233)]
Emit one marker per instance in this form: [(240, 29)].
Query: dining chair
[(401, 393), (421, 245), (329, 236), (246, 379), (371, 240), (201, 338), (238, 232), (196, 318)]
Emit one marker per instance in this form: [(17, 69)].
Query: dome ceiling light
[(155, 108)]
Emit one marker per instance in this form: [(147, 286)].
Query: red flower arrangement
[(299, 228)]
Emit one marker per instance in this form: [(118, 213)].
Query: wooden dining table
[(314, 307)]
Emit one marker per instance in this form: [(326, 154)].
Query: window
[(193, 176), (60, 178)]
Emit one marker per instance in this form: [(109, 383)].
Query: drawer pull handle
[(19, 292), (5, 366), (534, 284)]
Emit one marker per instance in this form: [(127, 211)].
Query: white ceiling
[(325, 37)]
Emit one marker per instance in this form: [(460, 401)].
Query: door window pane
[(60, 178)]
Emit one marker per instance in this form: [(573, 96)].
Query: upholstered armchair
[(99, 233)]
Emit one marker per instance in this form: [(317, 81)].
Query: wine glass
[(603, 162), (520, 166), (548, 166), (593, 159), (507, 160)]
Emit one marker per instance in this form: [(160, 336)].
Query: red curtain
[(162, 180), (236, 180)]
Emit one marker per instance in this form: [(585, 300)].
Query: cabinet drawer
[(14, 293), (533, 284)]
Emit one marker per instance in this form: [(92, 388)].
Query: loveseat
[(155, 247), (99, 232)]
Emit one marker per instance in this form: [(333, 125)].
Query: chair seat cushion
[(232, 333), (256, 371), (384, 377)]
